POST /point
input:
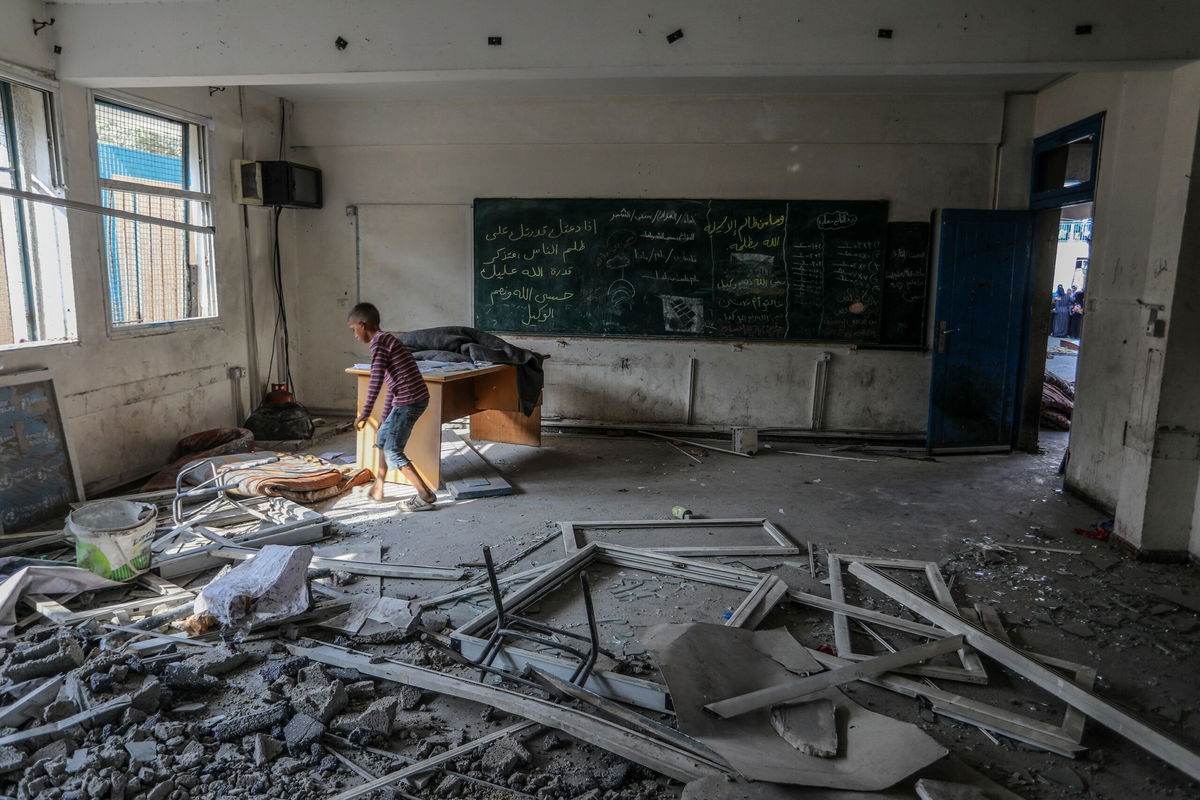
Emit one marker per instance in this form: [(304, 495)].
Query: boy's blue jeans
[(394, 432)]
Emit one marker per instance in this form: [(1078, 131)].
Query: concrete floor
[(946, 511)]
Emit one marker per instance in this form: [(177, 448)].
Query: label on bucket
[(112, 538)]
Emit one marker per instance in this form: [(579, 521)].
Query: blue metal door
[(980, 329)]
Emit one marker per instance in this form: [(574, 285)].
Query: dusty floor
[(947, 511)]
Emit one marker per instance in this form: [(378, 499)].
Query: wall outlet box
[(1156, 327)]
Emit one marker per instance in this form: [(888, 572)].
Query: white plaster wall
[(918, 152), (127, 397), (1120, 245), (227, 42), (18, 43), (1150, 128)]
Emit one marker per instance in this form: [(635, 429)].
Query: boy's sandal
[(415, 503)]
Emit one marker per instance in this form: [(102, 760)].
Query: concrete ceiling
[(425, 90)]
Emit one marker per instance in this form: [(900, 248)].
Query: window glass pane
[(1068, 165), (139, 147), (36, 296), (156, 273)]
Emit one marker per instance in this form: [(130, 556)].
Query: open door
[(980, 329)]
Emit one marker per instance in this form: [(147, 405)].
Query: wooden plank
[(793, 690), (631, 745), (1140, 733), (466, 474)]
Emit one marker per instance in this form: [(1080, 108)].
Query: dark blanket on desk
[(454, 343)]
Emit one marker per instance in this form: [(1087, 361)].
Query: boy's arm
[(375, 384)]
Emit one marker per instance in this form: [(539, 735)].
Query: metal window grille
[(154, 166)]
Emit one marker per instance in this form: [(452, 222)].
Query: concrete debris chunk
[(321, 703), (222, 660), (289, 667), (185, 677), (809, 727), (504, 758), (11, 759), (78, 761), (378, 717), (147, 696), (361, 690), (266, 749), (143, 752), (59, 748), (193, 755), (234, 728), (66, 656), (60, 709), (301, 731), (410, 697)]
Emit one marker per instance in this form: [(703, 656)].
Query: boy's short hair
[(365, 312)]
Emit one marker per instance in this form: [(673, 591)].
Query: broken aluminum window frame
[(1084, 676), (294, 525), (764, 591), (972, 669), (1045, 736), (573, 536), (1098, 708)]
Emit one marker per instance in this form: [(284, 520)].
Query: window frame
[(205, 128), (1082, 192), (14, 75)]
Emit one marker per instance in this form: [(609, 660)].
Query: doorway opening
[(1062, 188), (1067, 311)]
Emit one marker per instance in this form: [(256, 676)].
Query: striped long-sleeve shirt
[(391, 360)]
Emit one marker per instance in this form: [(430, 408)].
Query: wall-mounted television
[(276, 183)]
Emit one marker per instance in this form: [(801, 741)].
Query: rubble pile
[(291, 674)]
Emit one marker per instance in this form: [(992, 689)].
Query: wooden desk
[(488, 395)]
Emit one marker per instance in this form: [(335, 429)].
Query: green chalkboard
[(735, 269), (906, 284)]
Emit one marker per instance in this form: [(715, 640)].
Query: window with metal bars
[(153, 166), (36, 297)]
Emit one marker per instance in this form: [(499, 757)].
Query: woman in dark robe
[(1060, 313), (1075, 324)]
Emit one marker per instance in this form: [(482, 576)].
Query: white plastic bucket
[(112, 537)]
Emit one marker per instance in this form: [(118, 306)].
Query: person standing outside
[(404, 401)]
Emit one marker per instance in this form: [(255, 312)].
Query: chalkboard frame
[(876, 214), (46, 377)]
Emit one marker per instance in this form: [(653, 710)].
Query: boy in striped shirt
[(404, 401)]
